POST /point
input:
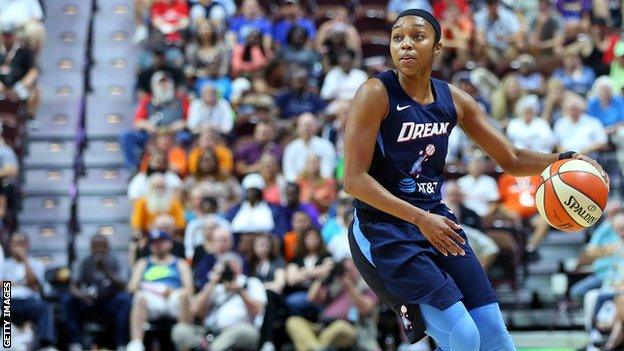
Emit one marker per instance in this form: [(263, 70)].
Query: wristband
[(566, 155)]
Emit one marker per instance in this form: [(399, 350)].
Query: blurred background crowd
[(235, 160)]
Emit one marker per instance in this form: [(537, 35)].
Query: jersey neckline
[(406, 95)]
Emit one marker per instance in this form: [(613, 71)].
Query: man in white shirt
[(497, 27), (479, 189), (26, 15), (297, 151), (19, 12), (342, 82), (578, 131), (527, 130), (210, 10), (26, 275), (206, 221), (210, 111), (231, 306)]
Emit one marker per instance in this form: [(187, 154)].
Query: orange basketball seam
[(564, 209), (582, 192)]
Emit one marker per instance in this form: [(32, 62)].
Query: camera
[(337, 271), (228, 274)]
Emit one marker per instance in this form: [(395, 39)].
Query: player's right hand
[(441, 233)]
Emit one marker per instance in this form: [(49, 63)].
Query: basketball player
[(406, 244)]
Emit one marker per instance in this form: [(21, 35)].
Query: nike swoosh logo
[(401, 108)]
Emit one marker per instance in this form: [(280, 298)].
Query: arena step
[(103, 209)]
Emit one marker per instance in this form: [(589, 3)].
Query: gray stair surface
[(57, 83), (113, 82), (118, 234), (70, 59), (67, 10), (103, 153), (44, 209), (103, 209), (55, 121), (108, 118), (46, 154), (44, 237), (51, 258), (104, 181), (107, 7), (47, 181)]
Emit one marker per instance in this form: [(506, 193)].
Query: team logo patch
[(423, 156), (407, 185)]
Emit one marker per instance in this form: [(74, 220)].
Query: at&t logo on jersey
[(427, 187), (408, 185), (412, 131)]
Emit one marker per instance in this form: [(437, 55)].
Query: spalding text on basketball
[(578, 209)]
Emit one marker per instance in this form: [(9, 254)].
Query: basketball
[(572, 195)]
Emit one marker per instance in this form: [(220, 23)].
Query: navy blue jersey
[(412, 143)]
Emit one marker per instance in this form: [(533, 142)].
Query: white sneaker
[(267, 346), (74, 347), (135, 345)]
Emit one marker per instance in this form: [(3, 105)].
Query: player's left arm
[(515, 161)]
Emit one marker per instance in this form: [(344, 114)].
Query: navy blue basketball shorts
[(405, 270)]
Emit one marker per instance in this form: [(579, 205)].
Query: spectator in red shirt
[(170, 18), (160, 112)]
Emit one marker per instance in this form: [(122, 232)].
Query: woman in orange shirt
[(209, 139), (518, 201)]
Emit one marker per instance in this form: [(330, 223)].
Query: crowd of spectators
[(254, 165), (238, 143), (21, 38), (22, 35), (240, 221)]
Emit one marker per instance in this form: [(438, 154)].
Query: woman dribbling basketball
[(405, 242)]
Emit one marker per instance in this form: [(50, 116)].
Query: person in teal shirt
[(604, 249)]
